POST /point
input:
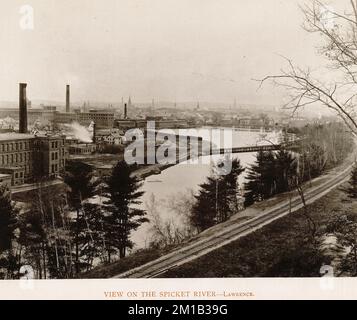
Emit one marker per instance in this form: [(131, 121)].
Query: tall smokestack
[(94, 132), (23, 108), (68, 97), (125, 111)]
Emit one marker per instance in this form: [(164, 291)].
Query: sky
[(169, 50)]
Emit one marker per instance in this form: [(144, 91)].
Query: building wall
[(32, 157), (102, 120), (18, 153), (32, 114), (52, 155), (17, 175), (82, 149), (125, 124)]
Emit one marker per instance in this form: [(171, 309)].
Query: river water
[(165, 192)]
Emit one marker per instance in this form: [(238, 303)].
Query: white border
[(252, 289)]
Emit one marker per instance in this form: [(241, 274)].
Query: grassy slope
[(278, 249), (131, 262), (257, 255)]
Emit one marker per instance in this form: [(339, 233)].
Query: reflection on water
[(185, 177)]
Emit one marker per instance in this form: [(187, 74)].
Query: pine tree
[(8, 224), (352, 189), (80, 179), (8, 220), (92, 236), (204, 212), (33, 237), (228, 192), (261, 178), (122, 213), (272, 173), (217, 199), (285, 168)]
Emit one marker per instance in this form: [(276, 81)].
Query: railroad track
[(232, 232)]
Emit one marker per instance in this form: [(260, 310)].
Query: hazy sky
[(187, 50)]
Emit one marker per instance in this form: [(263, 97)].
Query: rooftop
[(9, 136), (81, 145)]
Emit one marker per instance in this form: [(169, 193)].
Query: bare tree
[(167, 231), (339, 33)]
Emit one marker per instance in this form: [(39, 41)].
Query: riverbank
[(144, 256), (150, 170), (280, 249)]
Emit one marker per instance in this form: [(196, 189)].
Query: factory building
[(82, 149), (101, 118), (25, 157), (126, 124)]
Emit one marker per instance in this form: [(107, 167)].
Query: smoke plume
[(81, 133)]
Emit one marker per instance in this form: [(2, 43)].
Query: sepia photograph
[(178, 140)]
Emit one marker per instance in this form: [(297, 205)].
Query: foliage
[(352, 188), (272, 173), (8, 220), (122, 215), (79, 177), (345, 229), (337, 30), (217, 199), (174, 228), (321, 147), (8, 225), (82, 186)]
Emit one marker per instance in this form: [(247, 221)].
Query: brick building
[(27, 157)]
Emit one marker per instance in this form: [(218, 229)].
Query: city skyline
[(148, 52)]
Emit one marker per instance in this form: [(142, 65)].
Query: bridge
[(194, 153), (269, 147), (293, 145)]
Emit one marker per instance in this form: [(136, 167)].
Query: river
[(169, 187)]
